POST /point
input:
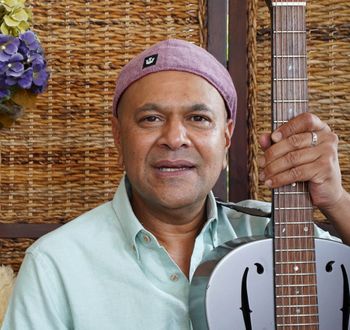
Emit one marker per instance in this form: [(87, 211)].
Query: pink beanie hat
[(178, 55)]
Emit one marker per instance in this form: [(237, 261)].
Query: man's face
[(172, 133)]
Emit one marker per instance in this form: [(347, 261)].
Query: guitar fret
[(293, 262), (291, 193), (297, 315), (296, 324), (293, 237), (293, 223), (290, 56), (294, 208), (290, 101), (295, 285), (293, 250), (301, 306), (289, 31), (290, 79), (289, 3), (297, 296), (295, 274)]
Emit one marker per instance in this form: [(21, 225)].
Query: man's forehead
[(169, 89)]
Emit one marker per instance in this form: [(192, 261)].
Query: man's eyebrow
[(156, 107), (148, 107), (201, 107)]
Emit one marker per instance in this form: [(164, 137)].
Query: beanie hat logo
[(149, 61)]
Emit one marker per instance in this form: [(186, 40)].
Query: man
[(127, 264)]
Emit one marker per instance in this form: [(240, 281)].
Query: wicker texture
[(59, 160), (328, 42)]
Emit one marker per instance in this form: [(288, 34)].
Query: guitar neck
[(295, 273)]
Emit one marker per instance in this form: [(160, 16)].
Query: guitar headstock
[(272, 3)]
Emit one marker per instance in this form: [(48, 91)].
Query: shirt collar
[(125, 214)]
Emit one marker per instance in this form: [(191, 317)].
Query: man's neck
[(175, 230)]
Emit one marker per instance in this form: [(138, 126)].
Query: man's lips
[(174, 165)]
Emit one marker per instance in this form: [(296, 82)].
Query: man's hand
[(305, 149), (291, 156)]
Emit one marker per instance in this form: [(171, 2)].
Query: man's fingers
[(296, 174), (292, 143), (265, 141), (291, 160), (305, 122)]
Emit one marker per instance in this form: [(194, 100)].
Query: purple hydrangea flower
[(29, 43), (40, 74), (13, 68), (26, 79), (8, 47), (22, 64)]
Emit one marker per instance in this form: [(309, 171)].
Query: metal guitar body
[(234, 288)]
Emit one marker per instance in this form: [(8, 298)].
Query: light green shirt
[(105, 271)]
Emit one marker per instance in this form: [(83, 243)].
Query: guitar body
[(234, 288)]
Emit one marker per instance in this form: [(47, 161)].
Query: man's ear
[(228, 135), (228, 132), (117, 139)]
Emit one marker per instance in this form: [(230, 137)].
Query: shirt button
[(174, 277), (146, 239)]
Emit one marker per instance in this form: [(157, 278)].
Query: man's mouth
[(174, 166), (173, 169)]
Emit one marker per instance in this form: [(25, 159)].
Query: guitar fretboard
[(295, 272)]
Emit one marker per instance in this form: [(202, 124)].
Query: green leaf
[(12, 3), (23, 27), (20, 15), (4, 29), (10, 22)]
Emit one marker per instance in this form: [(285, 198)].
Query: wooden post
[(238, 68), (218, 46)]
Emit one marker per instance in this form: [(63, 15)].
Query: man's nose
[(174, 135)]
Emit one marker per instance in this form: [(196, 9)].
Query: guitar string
[(283, 89), (289, 92), (295, 232), (300, 185), (284, 86), (278, 90), (277, 63), (300, 44)]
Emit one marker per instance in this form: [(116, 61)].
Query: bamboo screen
[(59, 159)]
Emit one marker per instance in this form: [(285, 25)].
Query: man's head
[(172, 127)]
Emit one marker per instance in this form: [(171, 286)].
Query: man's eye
[(199, 118), (150, 119)]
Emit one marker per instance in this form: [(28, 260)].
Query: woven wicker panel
[(328, 41), (12, 251), (59, 159)]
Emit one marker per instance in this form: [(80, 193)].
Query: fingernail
[(277, 136), (268, 183), (262, 176), (261, 161)]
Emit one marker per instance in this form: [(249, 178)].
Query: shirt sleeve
[(33, 304)]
